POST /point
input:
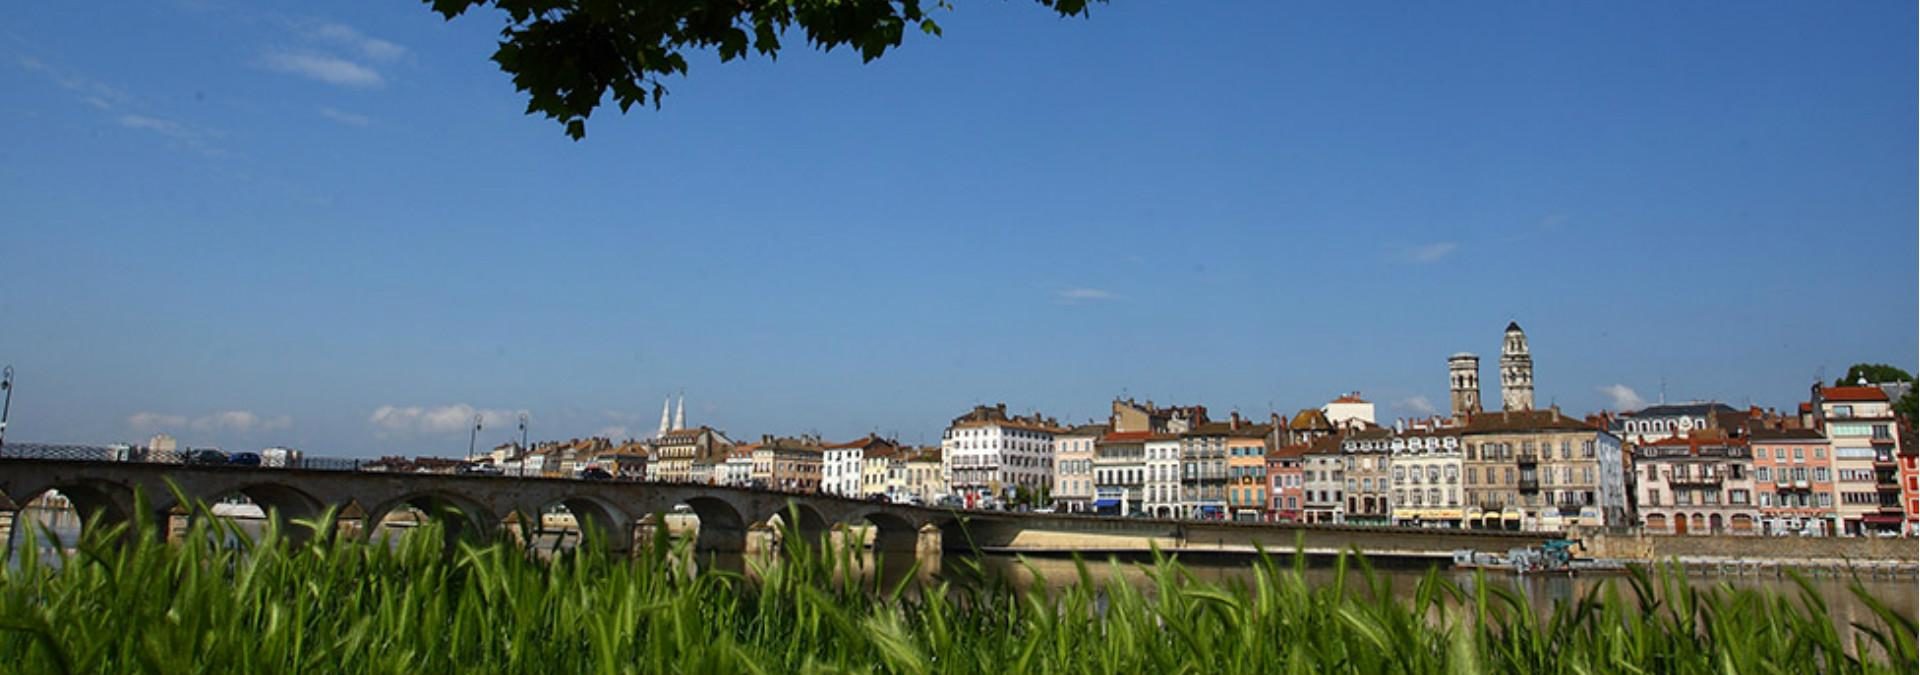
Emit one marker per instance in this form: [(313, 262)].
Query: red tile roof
[(1126, 436), (1852, 394)]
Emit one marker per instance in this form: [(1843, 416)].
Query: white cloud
[(241, 421), (347, 118), (154, 124), (1622, 397), (93, 92), (439, 419), (328, 69), (153, 421), (1073, 295), (1418, 405), (235, 421), (369, 47), (1426, 253)]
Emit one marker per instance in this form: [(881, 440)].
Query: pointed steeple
[(665, 407), (680, 414)]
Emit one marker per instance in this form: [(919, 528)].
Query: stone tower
[(1516, 371), (1463, 371)]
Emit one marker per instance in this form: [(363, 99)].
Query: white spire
[(665, 407), (680, 414)]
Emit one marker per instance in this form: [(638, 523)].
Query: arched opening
[(252, 508), (459, 517), (799, 518), (60, 514), (890, 532), (1698, 524), (569, 522), (1742, 524), (1657, 523), (1716, 523), (711, 522)]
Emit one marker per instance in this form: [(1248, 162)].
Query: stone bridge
[(484, 504)]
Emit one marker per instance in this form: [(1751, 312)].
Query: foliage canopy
[(567, 54)]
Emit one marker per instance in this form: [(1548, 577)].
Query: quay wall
[(1661, 547)]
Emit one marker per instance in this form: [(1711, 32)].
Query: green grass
[(124, 602)]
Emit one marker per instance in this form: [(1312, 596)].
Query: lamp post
[(6, 384), (473, 435)]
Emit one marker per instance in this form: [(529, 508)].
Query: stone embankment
[(1761, 556)]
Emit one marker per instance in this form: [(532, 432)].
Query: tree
[(1875, 373), (567, 54)]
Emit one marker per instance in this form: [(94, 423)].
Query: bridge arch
[(469, 519), (284, 504), (891, 531), (596, 517), (104, 503)]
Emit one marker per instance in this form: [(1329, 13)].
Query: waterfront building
[(1129, 416), (1666, 420), (1324, 475), (1860, 424), (1516, 370), (675, 452), (1349, 411), (1368, 477), (789, 464), (1427, 468), (1163, 499), (843, 466), (1793, 481), (1120, 472), (737, 470), (1203, 470), (1541, 470), (1700, 484), (989, 454), (840, 467), (925, 476), (1073, 468), (1308, 425), (1285, 479), (878, 465), (1247, 486)]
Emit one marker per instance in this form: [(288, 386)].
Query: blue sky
[(254, 223)]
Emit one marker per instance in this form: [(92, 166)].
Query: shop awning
[(1884, 519), (1104, 503)]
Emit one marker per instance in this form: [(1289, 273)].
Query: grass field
[(422, 606)]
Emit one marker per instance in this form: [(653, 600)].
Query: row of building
[(1838, 466)]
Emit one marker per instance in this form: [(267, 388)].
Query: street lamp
[(6, 384), (473, 435)]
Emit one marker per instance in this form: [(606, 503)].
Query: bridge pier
[(179, 520), (350, 522), (7, 517), (762, 541), (927, 547)]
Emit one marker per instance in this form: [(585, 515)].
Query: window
[(1653, 498), (1766, 499), (1761, 474)]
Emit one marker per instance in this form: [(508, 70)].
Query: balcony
[(1529, 485), (1569, 510), (1691, 480), (1784, 484), (1526, 458)]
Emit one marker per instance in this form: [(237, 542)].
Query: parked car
[(595, 473), (206, 457), (243, 459)]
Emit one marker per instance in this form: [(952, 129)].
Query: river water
[(1542, 592)]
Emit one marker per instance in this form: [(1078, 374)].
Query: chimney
[(1233, 421)]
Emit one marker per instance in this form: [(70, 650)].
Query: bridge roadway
[(484, 504)]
